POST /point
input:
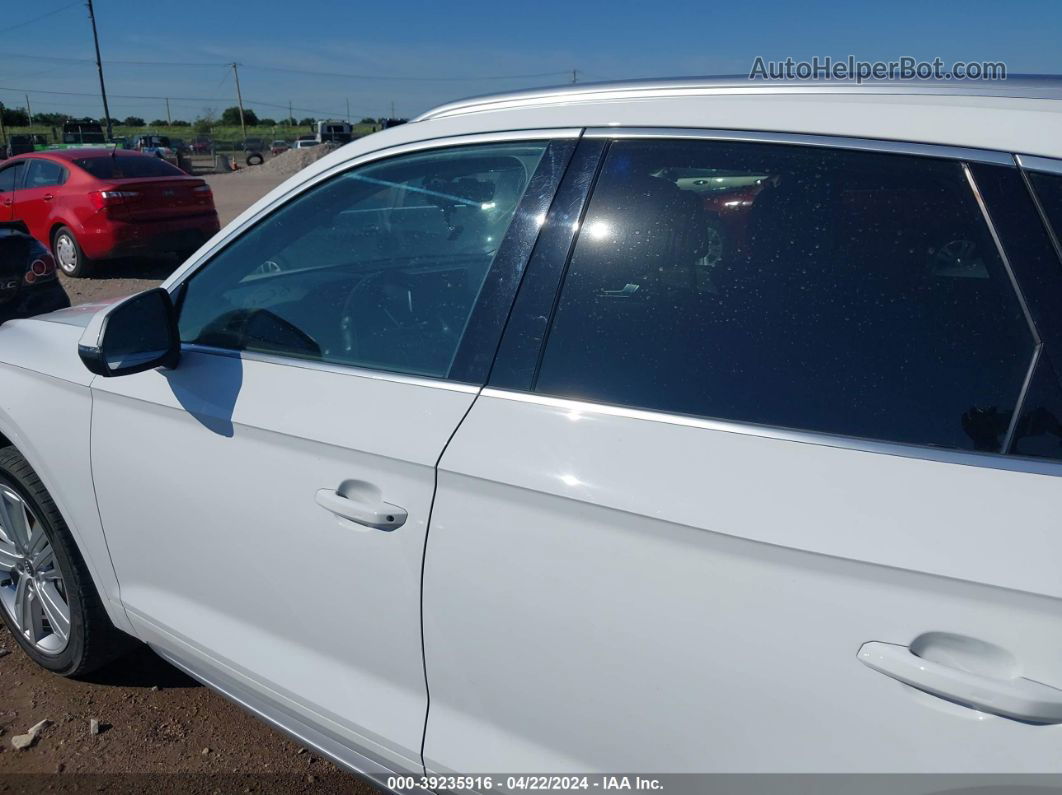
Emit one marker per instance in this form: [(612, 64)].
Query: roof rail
[(1016, 87)]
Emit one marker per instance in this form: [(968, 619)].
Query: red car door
[(34, 199), (10, 177)]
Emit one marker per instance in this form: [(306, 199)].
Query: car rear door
[(36, 199), (775, 511), (266, 502)]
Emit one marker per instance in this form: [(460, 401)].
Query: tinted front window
[(43, 174), (378, 267), (128, 167), (9, 177), (836, 291)]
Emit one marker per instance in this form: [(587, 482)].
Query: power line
[(317, 111), (42, 16), (109, 60), (308, 72), (351, 76)]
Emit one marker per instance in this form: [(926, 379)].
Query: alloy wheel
[(32, 590)]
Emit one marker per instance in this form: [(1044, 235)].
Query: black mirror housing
[(137, 334)]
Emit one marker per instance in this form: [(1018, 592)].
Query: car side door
[(266, 502), (35, 200), (777, 510), (10, 180)]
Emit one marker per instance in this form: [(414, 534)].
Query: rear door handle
[(361, 508), (48, 197), (1018, 698)]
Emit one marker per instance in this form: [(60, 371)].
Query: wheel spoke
[(9, 556), (55, 609), (23, 609), (13, 519), (37, 541), (44, 559)]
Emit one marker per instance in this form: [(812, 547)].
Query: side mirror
[(137, 334)]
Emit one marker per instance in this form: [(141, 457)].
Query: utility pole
[(239, 99), (575, 76), (169, 118), (3, 134), (392, 108), (99, 68), (290, 117), (348, 110), (29, 110)]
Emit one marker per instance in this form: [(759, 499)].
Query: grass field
[(218, 133)]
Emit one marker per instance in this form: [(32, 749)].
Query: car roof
[(80, 154), (1022, 114)]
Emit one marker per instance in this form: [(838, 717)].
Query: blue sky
[(417, 54)]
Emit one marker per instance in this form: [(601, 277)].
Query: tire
[(70, 259), (255, 159), (91, 639)]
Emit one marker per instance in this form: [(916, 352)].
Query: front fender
[(46, 412)]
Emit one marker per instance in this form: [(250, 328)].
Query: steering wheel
[(257, 329), (369, 298)]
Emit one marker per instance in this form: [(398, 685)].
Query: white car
[(456, 453)]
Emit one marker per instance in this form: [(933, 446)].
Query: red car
[(96, 204)]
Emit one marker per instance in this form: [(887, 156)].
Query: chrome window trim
[(939, 455), (333, 367), (805, 139), (1019, 408), (1049, 228), (1014, 285), (1044, 165), (192, 266)]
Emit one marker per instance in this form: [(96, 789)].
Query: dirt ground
[(157, 727), (160, 730)]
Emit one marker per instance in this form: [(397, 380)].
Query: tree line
[(230, 117)]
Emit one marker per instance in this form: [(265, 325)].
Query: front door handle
[(361, 507), (48, 197), (1017, 698)]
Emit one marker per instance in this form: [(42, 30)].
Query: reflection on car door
[(266, 502), (679, 538)]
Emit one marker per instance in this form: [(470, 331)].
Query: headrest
[(655, 224)]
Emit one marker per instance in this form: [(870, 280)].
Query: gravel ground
[(160, 730)]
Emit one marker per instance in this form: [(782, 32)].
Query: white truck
[(339, 132)]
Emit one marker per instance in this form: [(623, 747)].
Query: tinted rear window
[(846, 292), (124, 167)]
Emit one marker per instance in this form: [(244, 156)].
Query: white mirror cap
[(90, 337)]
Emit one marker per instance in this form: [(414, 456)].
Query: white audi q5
[(694, 425)]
